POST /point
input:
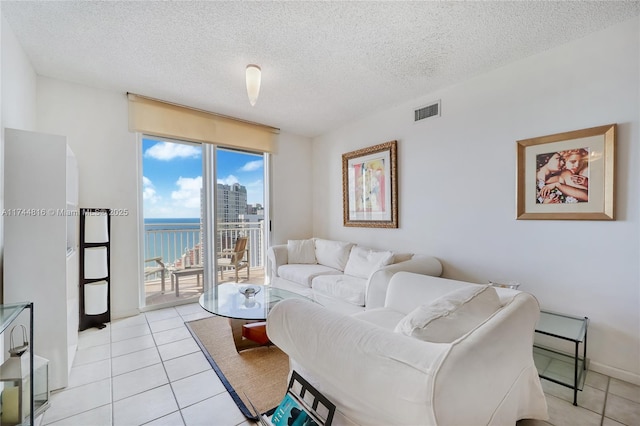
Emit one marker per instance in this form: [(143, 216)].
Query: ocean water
[(170, 237)]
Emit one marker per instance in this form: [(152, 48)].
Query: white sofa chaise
[(340, 275), (440, 352)]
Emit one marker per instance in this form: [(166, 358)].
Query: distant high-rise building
[(255, 209), (232, 202)]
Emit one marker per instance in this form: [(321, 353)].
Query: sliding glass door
[(174, 249), (240, 216), (199, 201)]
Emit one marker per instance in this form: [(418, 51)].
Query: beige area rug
[(261, 373)]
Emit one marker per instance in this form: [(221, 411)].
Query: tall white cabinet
[(40, 242)]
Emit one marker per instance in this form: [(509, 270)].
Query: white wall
[(18, 84), (457, 186), (18, 95), (96, 125), (291, 197)]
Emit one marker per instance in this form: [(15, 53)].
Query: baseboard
[(124, 314), (616, 373)]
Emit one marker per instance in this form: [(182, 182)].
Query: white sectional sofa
[(340, 275), (440, 352)]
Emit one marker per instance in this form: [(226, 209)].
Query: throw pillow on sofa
[(363, 262), (451, 316), (301, 251), (333, 254), (401, 257)]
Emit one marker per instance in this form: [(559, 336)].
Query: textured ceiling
[(323, 63)]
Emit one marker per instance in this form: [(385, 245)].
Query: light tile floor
[(148, 370)]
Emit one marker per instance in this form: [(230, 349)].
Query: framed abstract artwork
[(370, 186), (567, 176)]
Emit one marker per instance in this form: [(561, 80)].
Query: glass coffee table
[(226, 300)]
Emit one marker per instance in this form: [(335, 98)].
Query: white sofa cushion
[(401, 257), (332, 253), (303, 290), (304, 274), (344, 287), (301, 251), (451, 316), (423, 289), (363, 261), (382, 317)]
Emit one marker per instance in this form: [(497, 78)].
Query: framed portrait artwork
[(567, 176), (370, 186)]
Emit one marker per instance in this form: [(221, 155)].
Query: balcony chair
[(159, 266), (236, 258)]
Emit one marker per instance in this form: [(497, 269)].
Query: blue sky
[(172, 177)]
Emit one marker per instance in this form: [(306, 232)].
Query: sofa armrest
[(379, 280), (374, 376), (277, 256), (495, 364)]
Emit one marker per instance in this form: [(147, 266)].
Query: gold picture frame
[(567, 176), (370, 186)]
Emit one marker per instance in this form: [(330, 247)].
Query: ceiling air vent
[(428, 111)]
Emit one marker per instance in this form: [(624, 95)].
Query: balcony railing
[(180, 243)]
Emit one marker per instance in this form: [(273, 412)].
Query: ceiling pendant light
[(253, 83)]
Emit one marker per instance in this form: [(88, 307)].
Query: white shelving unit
[(40, 242)]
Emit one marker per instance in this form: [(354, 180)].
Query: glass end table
[(558, 367)]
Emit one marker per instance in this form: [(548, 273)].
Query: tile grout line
[(155, 344), (606, 397), (165, 368), (111, 375), (170, 382)]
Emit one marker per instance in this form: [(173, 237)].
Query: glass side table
[(558, 367)]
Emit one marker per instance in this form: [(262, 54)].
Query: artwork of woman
[(562, 177), (576, 168)]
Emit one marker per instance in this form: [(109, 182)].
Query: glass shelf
[(9, 312), (559, 367), (562, 326)]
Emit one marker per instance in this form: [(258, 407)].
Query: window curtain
[(158, 118)]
